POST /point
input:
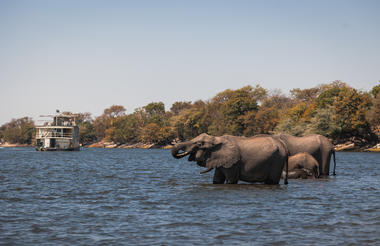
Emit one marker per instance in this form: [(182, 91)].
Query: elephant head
[(208, 151)]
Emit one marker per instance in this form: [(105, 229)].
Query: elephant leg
[(316, 172), (231, 182), (219, 177), (270, 182), (326, 158), (298, 174), (231, 174)]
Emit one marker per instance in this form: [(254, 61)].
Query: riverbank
[(348, 146), (351, 147), (112, 145), (357, 145), (11, 145)]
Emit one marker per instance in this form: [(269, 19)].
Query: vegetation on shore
[(335, 110)]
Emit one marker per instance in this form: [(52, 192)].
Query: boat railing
[(54, 135)]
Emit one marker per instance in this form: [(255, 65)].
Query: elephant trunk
[(180, 147), (334, 162)]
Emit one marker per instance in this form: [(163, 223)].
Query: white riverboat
[(61, 133)]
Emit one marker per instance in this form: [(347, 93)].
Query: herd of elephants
[(261, 158)]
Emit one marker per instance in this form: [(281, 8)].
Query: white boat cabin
[(60, 134)]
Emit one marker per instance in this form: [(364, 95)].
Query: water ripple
[(145, 197)]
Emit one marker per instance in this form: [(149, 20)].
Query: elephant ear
[(224, 154)]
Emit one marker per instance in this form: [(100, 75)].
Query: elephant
[(316, 145), (302, 165), (234, 158)]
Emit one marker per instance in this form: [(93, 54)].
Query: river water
[(145, 197)]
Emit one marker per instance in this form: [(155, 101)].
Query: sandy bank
[(10, 145), (112, 145)]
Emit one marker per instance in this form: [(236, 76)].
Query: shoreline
[(346, 147), (9, 145), (112, 145), (349, 147)]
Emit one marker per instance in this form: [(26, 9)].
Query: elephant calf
[(302, 166), (316, 145), (256, 159)]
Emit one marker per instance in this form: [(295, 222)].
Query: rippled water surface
[(145, 197)]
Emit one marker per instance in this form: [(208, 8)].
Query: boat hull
[(57, 149)]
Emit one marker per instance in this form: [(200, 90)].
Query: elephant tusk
[(207, 170), (182, 154)]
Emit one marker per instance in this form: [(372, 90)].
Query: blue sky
[(84, 56)]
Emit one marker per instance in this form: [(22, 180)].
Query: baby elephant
[(302, 166)]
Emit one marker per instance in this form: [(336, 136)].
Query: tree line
[(335, 110)]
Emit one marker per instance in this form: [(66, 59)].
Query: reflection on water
[(111, 196)]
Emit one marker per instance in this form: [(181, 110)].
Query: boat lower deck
[(57, 149)]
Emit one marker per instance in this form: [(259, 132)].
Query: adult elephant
[(316, 145), (302, 165), (257, 159)]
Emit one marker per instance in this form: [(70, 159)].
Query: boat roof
[(54, 127)]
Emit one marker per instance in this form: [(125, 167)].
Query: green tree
[(178, 107), (259, 93), (270, 112), (107, 119), (373, 115), (83, 117), (305, 95), (291, 126), (166, 135), (329, 93), (323, 123), (86, 132), (155, 113), (86, 127), (350, 109), (99, 127), (278, 100), (150, 133), (125, 130), (375, 90), (333, 110), (234, 105), (192, 121), (18, 131), (294, 121), (264, 121), (114, 111)]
